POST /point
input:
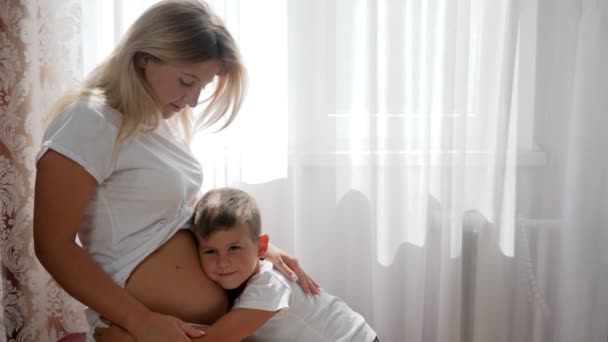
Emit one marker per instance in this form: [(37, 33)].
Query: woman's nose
[(191, 97)]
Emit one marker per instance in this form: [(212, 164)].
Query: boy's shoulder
[(267, 272), (267, 290), (269, 277)]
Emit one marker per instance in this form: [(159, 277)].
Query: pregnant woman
[(115, 168)]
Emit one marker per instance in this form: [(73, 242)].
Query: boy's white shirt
[(301, 317)]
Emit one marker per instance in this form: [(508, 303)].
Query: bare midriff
[(171, 281)]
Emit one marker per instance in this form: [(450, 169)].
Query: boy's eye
[(209, 252), (186, 84), (235, 248)]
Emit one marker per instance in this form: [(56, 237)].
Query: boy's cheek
[(208, 269)]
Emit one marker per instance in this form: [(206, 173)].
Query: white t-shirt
[(302, 318), (142, 196)]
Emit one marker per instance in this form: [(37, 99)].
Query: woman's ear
[(142, 60), (263, 245)]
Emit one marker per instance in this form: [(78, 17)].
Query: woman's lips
[(174, 107)]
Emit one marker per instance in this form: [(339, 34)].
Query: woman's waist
[(108, 236), (170, 280)]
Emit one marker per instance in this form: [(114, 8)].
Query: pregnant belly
[(171, 281)]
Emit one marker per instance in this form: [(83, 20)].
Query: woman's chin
[(167, 114)]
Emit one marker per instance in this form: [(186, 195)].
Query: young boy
[(270, 308)]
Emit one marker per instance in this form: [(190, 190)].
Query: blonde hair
[(172, 31)]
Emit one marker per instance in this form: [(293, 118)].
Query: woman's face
[(177, 85)]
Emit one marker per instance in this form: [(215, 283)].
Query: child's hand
[(290, 267)]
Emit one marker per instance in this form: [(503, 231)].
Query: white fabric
[(301, 318), (141, 199)]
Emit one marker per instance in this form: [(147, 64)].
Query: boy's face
[(230, 257)]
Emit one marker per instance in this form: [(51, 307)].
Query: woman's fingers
[(282, 267), (304, 284), (98, 332), (290, 267), (112, 334), (190, 330), (308, 285), (313, 288), (277, 257)]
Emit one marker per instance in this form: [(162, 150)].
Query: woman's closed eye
[(185, 83)]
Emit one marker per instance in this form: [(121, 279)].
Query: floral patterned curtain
[(40, 58)]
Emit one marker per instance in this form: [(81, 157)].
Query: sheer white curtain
[(571, 261), (401, 118), (438, 164)]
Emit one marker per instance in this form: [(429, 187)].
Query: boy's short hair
[(223, 209)]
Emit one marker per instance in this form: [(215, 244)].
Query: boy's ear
[(263, 245)]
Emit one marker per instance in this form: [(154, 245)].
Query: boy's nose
[(224, 261)]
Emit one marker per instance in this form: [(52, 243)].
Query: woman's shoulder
[(86, 112), (85, 132), (84, 119)]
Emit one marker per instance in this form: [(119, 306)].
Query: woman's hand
[(157, 327), (114, 333), (290, 267)]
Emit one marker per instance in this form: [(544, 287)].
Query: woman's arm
[(62, 193)]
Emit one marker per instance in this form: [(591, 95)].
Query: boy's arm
[(236, 325)]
